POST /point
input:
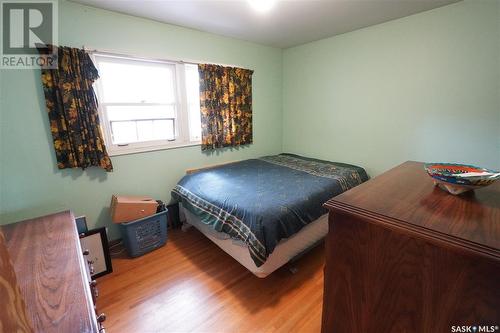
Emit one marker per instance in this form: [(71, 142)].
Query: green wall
[(31, 184), (424, 87)]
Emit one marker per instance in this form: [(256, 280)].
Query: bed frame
[(286, 251), (207, 167)]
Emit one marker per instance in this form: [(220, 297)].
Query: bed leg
[(185, 226)]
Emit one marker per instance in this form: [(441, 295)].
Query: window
[(146, 104)]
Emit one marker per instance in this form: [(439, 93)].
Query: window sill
[(114, 151)]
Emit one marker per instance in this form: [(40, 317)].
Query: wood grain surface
[(13, 316), (407, 195), (421, 261), (207, 167), (48, 263), (191, 285)]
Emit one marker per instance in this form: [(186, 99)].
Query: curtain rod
[(179, 61)]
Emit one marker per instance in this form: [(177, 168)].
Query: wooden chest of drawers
[(53, 274), (404, 256)]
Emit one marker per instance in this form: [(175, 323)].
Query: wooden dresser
[(52, 275), (404, 256)]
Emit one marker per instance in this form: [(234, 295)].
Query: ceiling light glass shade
[(262, 5)]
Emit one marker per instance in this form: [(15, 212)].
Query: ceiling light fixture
[(262, 5)]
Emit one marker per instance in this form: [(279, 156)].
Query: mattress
[(263, 201), (286, 249)]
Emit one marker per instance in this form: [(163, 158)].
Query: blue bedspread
[(262, 201)]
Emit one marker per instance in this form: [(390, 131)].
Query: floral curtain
[(72, 108), (226, 106)]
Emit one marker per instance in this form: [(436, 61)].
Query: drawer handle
[(93, 287), (101, 318), (86, 252)]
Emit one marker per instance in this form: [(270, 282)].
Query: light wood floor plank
[(190, 285)]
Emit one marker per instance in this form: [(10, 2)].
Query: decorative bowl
[(459, 178)]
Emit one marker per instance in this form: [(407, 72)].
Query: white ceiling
[(287, 24)]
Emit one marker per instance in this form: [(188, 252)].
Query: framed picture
[(81, 224), (96, 242)]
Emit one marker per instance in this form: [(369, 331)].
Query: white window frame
[(182, 135)]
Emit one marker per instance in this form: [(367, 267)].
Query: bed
[(265, 211)]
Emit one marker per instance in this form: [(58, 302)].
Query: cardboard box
[(128, 208)]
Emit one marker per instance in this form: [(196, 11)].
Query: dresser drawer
[(94, 291)]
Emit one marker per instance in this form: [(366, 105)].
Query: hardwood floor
[(190, 285)]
